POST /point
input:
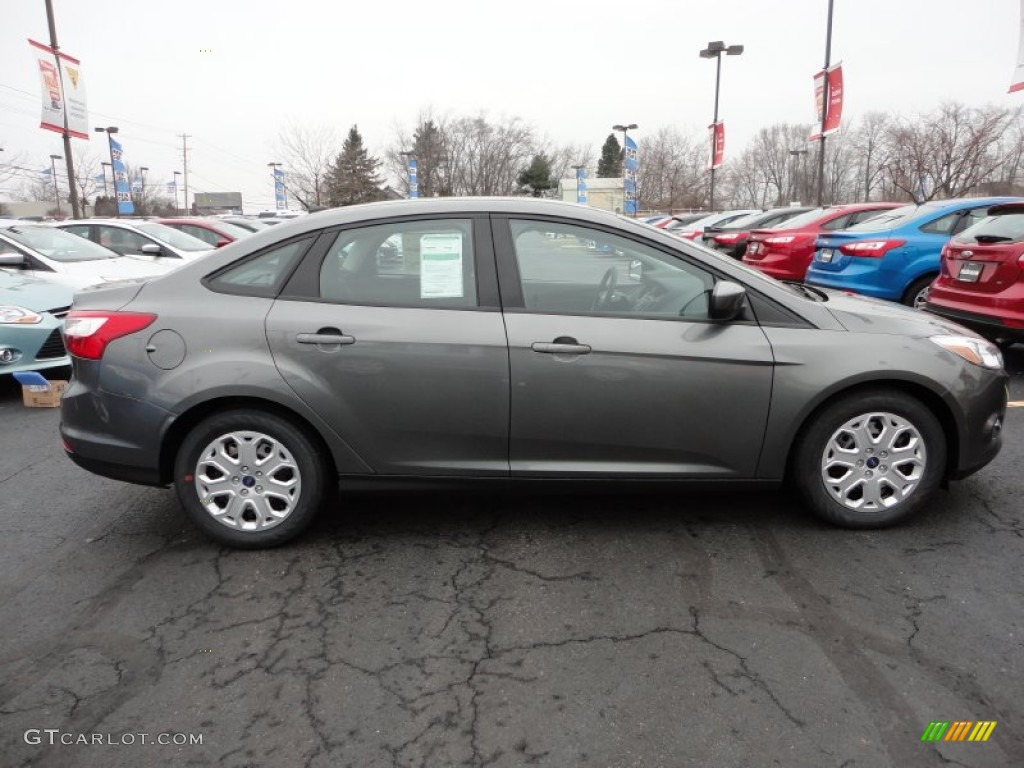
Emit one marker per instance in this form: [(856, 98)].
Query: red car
[(981, 279), (785, 252), (213, 231)]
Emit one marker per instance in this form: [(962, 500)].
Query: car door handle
[(325, 338), (563, 345)]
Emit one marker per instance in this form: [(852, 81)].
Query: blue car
[(31, 318), (895, 255)]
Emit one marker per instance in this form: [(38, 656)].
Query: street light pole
[(715, 50), (72, 192), (176, 209), (625, 132), (53, 173), (824, 107), (142, 192), (110, 130), (798, 153), (103, 168)]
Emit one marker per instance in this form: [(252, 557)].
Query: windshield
[(171, 236), (894, 218), (57, 244), (1005, 228)]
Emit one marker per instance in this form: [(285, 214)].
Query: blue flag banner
[(280, 201), (629, 168), (45, 172), (414, 182), (137, 185), (581, 186), (172, 188), (100, 177), (121, 187)]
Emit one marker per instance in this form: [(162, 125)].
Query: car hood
[(102, 270), (862, 314), (33, 293)]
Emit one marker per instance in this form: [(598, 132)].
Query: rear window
[(895, 218), (1005, 228), (172, 237), (808, 217)]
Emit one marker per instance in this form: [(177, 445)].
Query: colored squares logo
[(958, 730)]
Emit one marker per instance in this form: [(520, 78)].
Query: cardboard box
[(39, 396)]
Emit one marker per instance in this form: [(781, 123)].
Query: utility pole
[(184, 162), (76, 209), (824, 107)]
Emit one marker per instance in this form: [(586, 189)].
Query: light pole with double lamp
[(625, 132), (53, 173), (110, 130), (715, 50)]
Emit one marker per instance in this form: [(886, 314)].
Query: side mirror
[(151, 249), (12, 260), (221, 243), (727, 300)]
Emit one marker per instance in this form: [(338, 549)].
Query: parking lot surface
[(468, 629)]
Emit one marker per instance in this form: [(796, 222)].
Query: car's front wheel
[(249, 479), (871, 459)]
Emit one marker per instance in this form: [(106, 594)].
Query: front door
[(615, 365), (396, 339)]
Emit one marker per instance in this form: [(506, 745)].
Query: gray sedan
[(492, 341)]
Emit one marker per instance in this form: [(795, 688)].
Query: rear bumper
[(858, 283), (778, 266), (990, 326), (113, 436)]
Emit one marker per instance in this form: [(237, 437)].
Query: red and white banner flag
[(1017, 84), (63, 92), (717, 131), (834, 115)]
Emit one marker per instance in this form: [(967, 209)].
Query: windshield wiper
[(992, 239), (808, 291)]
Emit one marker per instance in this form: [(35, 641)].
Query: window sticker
[(441, 266)]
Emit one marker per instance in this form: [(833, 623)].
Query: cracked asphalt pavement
[(465, 629)]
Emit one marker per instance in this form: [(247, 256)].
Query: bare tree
[(87, 167), (307, 152), (484, 157), (672, 170)]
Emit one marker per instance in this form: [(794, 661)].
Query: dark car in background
[(731, 239), (503, 346), (981, 280), (694, 229), (785, 251)]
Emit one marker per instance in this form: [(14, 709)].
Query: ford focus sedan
[(490, 341)]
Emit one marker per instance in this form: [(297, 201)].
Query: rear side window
[(840, 222), (263, 274), (1005, 228), (426, 263)]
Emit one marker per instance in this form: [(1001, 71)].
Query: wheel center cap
[(249, 481), (872, 463)]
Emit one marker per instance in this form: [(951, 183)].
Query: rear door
[(616, 368), (394, 335)]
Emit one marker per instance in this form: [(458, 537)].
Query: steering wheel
[(605, 290)]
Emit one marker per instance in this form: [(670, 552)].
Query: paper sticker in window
[(441, 266)]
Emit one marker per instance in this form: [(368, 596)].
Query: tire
[(245, 508), (888, 492), (918, 291)]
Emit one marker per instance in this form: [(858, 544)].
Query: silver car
[(489, 341)]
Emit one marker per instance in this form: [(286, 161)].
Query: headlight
[(14, 315), (976, 351)]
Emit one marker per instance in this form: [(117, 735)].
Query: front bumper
[(981, 429)]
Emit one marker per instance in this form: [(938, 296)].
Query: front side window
[(970, 218), (406, 264), (564, 268), (206, 235), (942, 225), (122, 240)]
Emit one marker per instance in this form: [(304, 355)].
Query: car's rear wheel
[(249, 479), (917, 293), (871, 459)]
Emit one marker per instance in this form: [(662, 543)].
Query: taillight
[(727, 238), (690, 235), (873, 249), (781, 240), (87, 332)]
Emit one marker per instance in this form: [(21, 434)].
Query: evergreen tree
[(610, 164), (537, 176), (353, 177), (428, 149)]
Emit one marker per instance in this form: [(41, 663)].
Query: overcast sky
[(571, 68)]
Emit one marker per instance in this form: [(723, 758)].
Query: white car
[(43, 251), (139, 239)]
